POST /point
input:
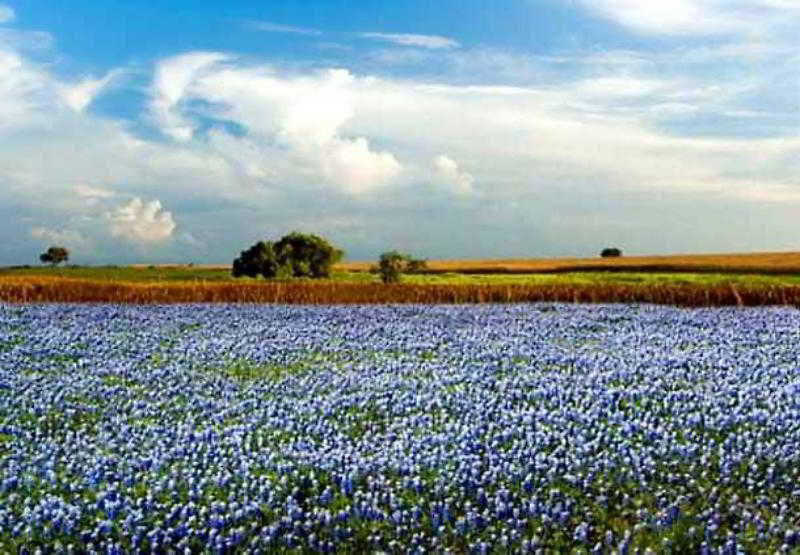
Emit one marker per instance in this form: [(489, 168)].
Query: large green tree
[(260, 259), (296, 254), (307, 255)]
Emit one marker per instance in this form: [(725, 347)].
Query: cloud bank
[(591, 145)]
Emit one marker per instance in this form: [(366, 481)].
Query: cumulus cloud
[(358, 169), (141, 222), (433, 42), (306, 115), (246, 139), (447, 171), (6, 13)]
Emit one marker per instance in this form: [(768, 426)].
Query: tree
[(416, 266), (391, 265), (296, 254), (260, 259), (610, 252), (54, 255), (307, 255)]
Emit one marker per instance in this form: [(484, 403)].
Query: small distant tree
[(416, 266), (54, 256), (260, 259), (610, 252), (393, 264)]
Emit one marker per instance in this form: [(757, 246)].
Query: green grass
[(123, 273), (600, 277), (217, 275)]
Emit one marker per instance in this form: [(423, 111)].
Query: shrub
[(610, 252), (54, 255)]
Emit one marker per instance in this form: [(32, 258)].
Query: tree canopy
[(610, 252), (54, 255), (296, 254)]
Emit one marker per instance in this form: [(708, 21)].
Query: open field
[(760, 263), (700, 280), (399, 429), (33, 289), (779, 263)]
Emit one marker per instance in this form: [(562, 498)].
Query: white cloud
[(78, 96), (351, 164), (24, 91), (68, 238), (6, 13), (712, 17), (141, 222), (92, 196), (305, 115), (448, 171), (406, 39), (278, 28), (306, 139), (171, 80), (88, 192)]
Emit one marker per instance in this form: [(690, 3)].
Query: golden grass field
[(651, 279), (766, 263), (53, 289)]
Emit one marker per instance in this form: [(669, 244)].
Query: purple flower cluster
[(398, 429)]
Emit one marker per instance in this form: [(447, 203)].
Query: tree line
[(311, 256), (304, 255)]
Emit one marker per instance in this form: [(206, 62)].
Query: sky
[(186, 130)]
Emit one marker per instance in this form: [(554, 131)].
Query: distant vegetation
[(393, 264), (610, 252), (294, 255), (692, 280), (54, 255)]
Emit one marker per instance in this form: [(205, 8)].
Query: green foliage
[(393, 264), (296, 254), (54, 255), (416, 266), (610, 252), (307, 255), (260, 259)]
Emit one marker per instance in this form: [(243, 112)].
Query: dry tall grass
[(46, 290)]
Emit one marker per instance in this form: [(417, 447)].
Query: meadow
[(686, 280), (497, 428)]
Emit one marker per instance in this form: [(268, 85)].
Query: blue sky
[(184, 131)]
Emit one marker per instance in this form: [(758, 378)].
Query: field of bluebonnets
[(401, 429)]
